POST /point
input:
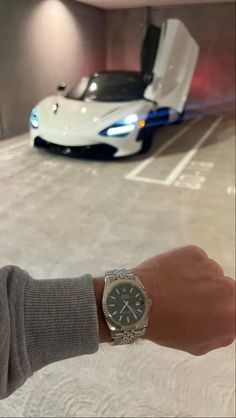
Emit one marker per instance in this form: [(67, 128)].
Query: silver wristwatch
[(126, 306)]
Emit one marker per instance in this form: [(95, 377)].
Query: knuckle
[(231, 285), (229, 291), (197, 252), (215, 267)]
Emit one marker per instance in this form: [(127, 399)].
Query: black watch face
[(126, 304)]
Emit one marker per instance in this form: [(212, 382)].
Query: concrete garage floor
[(63, 217)]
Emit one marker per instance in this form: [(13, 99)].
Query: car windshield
[(110, 87)]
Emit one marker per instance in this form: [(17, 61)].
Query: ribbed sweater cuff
[(60, 319)]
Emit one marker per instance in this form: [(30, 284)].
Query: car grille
[(99, 151)]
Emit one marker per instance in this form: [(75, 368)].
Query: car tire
[(146, 136)]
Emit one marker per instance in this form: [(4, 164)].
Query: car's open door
[(170, 53)]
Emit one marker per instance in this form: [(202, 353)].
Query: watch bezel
[(110, 321)]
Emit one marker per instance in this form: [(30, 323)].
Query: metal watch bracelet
[(123, 337)]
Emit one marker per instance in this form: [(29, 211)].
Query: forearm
[(43, 321), (104, 333), (14, 362)]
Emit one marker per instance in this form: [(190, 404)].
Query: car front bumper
[(69, 144), (100, 151)]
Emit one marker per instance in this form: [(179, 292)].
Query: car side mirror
[(61, 87)]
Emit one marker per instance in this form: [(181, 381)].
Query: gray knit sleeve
[(43, 321)]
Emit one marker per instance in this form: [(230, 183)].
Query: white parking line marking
[(190, 181), (189, 156), (13, 147), (171, 178), (201, 165), (133, 174), (147, 180)]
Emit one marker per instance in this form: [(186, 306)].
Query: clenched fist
[(193, 302)]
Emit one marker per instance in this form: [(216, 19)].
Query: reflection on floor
[(64, 217)]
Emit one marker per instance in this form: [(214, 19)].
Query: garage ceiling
[(121, 4)]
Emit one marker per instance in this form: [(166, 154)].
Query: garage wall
[(42, 43), (212, 25), (125, 32)]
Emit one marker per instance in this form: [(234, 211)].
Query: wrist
[(104, 332), (151, 319)]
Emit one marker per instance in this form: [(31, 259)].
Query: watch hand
[(131, 310), (126, 303)]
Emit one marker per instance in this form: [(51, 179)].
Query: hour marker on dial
[(127, 319), (131, 290), (113, 297), (117, 291), (114, 312)]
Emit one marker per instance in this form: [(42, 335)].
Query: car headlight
[(122, 127), (34, 120)]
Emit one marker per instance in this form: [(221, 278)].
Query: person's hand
[(193, 303)]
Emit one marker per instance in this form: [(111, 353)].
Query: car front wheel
[(146, 137)]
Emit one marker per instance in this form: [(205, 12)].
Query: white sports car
[(114, 112)]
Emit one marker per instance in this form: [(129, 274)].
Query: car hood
[(60, 111)]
